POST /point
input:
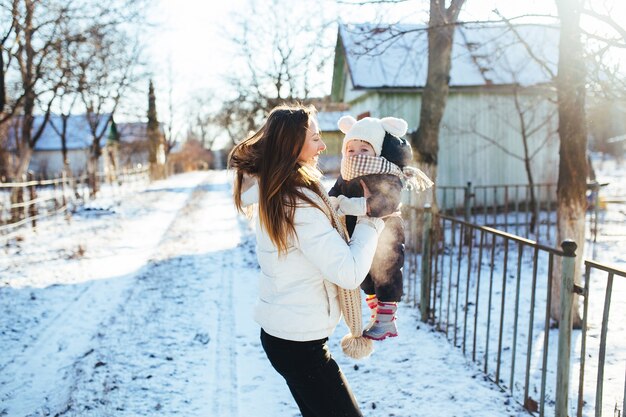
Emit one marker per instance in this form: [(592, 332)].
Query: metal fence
[(25, 203), (514, 208), (489, 291), (603, 277)]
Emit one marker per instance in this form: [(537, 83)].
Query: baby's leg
[(386, 275)]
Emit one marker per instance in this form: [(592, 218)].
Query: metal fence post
[(565, 327), (467, 211), (425, 279), (467, 198)]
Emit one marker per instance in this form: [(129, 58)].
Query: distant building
[(47, 157), (331, 135), (134, 146), (131, 147), (379, 73)]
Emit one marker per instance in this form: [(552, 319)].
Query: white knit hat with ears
[(370, 130)]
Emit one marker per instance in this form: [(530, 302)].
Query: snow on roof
[(328, 120), (397, 56)]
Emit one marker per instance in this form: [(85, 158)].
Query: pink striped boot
[(385, 323), (372, 303)]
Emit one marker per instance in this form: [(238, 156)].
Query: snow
[(141, 305)]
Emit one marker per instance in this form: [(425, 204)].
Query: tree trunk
[(441, 27), (25, 155), (3, 96), (17, 194), (92, 170), (572, 185), (531, 188), (527, 161), (6, 169)]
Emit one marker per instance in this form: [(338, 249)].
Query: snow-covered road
[(142, 306)]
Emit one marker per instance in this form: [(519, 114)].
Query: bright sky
[(191, 37)]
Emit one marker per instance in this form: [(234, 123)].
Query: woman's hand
[(366, 194)]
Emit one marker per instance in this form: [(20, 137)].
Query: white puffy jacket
[(296, 302)]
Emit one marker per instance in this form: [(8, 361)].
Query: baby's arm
[(345, 206), (336, 189)]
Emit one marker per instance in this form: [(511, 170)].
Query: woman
[(303, 257)]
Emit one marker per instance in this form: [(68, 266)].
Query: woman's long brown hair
[(271, 155)]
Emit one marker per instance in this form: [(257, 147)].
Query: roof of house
[(328, 120), (79, 135), (397, 56)]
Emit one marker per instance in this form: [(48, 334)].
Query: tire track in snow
[(225, 397), (37, 381), (171, 366)]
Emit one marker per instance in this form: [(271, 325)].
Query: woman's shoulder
[(310, 194)]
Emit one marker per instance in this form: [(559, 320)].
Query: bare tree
[(107, 65), (40, 34), (203, 123), (4, 137), (605, 82), (33, 47), (441, 27), (3, 66), (107, 82), (68, 96), (296, 54), (572, 182)]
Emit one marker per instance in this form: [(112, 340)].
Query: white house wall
[(51, 162), (481, 141), (349, 93)]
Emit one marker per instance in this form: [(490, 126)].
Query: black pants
[(385, 276), (314, 378)]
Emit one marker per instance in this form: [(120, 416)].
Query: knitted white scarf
[(353, 344), (359, 165)]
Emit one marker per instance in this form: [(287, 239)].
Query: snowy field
[(142, 306)]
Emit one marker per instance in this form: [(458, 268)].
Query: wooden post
[(64, 201), (565, 327), (426, 245), (32, 205), (55, 192)]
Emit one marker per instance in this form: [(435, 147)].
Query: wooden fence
[(25, 203)]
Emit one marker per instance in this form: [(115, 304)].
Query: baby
[(374, 154)]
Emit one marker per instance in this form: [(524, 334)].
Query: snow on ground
[(142, 305)]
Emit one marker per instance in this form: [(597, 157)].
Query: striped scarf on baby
[(356, 166)]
